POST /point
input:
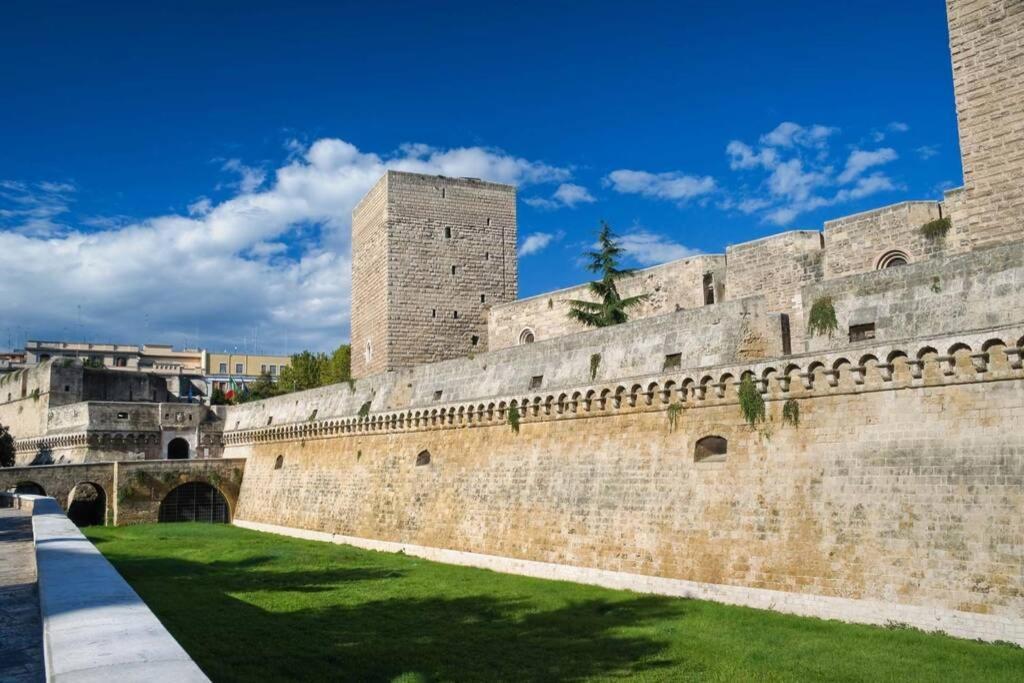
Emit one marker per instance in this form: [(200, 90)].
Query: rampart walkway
[(21, 633)]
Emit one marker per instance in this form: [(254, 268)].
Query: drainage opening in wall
[(423, 458)]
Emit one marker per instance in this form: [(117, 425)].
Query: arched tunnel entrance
[(29, 488), (87, 504), (177, 449), (195, 502)]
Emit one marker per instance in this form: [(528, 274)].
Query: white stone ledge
[(95, 627), (954, 623)]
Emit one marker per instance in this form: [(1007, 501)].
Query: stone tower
[(986, 40), (430, 254)]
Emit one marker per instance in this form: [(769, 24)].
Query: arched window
[(710, 449), (279, 462), (423, 458), (526, 336), (891, 259)]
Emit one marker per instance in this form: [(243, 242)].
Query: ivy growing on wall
[(595, 362), (513, 418), (364, 410), (791, 412), (675, 409), (751, 401), (936, 229), (822, 318)]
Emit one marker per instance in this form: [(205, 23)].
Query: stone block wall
[(986, 40), (671, 287), (735, 330), (857, 243), (901, 490), (447, 254), (370, 290), (972, 291), (776, 268)]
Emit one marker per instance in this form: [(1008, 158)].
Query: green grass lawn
[(257, 607)]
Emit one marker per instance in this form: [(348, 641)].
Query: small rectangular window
[(448, 232), (263, 368), (122, 416), (474, 340), (488, 222), (862, 332), (483, 298), (223, 368), (444, 193), (673, 361), (239, 368), (455, 315), (433, 313), (273, 370), (453, 270), (536, 381), (487, 256)]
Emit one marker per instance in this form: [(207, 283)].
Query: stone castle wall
[(900, 488), (973, 291), (447, 254), (670, 287), (856, 244), (986, 40), (736, 330)]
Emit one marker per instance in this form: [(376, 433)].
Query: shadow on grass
[(219, 613)]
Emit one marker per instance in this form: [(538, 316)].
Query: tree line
[(306, 370)]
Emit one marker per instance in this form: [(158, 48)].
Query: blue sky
[(184, 174)]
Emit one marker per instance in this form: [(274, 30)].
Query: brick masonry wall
[(671, 287), (909, 497), (986, 40)]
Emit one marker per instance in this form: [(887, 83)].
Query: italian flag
[(232, 390)]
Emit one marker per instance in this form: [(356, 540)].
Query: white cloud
[(800, 174), (537, 242), (674, 186), (35, 209), (861, 160), (567, 195), (788, 134), (224, 268), (742, 156), (250, 177), (648, 248), (926, 152)]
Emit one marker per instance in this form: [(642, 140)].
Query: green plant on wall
[(822, 318), (214, 479), (936, 286), (513, 418), (751, 401), (675, 409), (595, 363), (791, 412), (35, 394), (936, 229), (364, 410)]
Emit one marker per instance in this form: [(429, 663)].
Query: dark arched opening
[(194, 502), (87, 504), (423, 458), (710, 449), (177, 449), (28, 488)]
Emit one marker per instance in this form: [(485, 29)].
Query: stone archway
[(28, 488), (195, 501), (87, 504), (177, 449)]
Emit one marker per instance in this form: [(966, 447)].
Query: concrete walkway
[(21, 633)]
